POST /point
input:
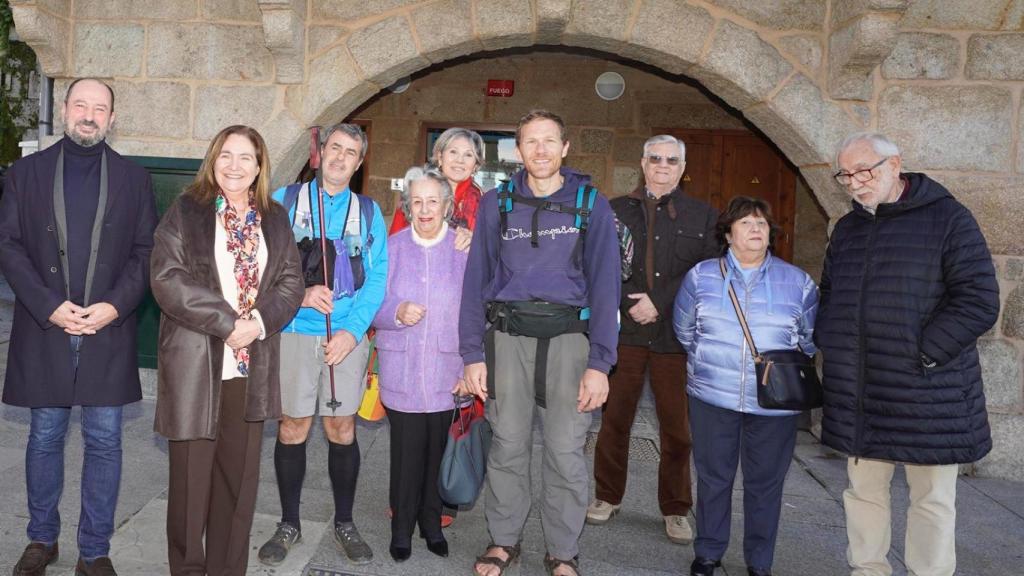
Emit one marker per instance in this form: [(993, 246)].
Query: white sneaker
[(600, 512), (678, 529)]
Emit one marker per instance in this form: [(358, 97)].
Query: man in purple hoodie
[(538, 325)]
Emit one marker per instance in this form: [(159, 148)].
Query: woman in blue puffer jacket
[(779, 301)]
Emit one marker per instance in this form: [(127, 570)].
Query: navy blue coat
[(39, 368), (915, 278)]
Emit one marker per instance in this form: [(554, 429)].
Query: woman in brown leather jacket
[(225, 272)]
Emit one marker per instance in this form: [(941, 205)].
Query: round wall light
[(610, 85)]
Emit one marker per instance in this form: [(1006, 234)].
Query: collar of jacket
[(640, 192)]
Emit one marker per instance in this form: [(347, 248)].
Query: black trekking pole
[(314, 165)]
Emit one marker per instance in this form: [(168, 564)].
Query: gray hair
[(450, 135), (426, 172), (666, 139), (880, 143), (352, 130)]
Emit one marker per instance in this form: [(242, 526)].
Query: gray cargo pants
[(564, 477)]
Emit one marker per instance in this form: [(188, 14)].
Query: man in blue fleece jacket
[(544, 306)]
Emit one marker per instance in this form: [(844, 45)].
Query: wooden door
[(723, 164)]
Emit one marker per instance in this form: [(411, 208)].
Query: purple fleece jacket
[(545, 272)]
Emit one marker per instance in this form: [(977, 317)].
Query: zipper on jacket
[(858, 438)]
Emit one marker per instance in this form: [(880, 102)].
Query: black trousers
[(763, 445), (417, 444)]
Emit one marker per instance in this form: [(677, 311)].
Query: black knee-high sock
[(290, 468), (343, 466)]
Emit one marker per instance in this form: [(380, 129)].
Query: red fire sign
[(501, 88)]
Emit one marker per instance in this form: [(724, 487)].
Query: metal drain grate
[(640, 449)]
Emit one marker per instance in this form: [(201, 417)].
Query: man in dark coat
[(671, 232), (76, 231), (907, 288)]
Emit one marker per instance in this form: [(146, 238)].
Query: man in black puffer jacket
[(907, 288)]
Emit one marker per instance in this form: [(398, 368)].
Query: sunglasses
[(657, 159)]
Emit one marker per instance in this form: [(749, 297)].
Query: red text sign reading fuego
[(501, 88)]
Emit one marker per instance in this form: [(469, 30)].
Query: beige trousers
[(930, 548)]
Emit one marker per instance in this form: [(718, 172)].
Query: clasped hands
[(78, 321), (593, 389)]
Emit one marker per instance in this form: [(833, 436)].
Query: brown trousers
[(213, 491), (611, 460)]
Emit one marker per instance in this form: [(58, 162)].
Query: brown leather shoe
[(98, 567), (35, 559)]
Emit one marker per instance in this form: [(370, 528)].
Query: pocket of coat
[(689, 244), (391, 340)]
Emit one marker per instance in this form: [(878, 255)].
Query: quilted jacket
[(915, 278)]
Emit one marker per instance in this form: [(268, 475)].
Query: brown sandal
[(552, 564), (511, 551)]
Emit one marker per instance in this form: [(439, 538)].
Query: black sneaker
[(276, 549), (347, 537)]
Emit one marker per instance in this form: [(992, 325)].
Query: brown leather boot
[(35, 559)]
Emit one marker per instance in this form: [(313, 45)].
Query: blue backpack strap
[(366, 217), (586, 195), (505, 203), (291, 196)]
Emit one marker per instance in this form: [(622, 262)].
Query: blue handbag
[(464, 462)]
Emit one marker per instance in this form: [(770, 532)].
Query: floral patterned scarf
[(243, 244)]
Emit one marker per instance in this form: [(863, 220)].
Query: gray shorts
[(306, 379)]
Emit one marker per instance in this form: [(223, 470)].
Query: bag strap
[(291, 197), (739, 313), (366, 215)]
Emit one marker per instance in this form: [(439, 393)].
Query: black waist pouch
[(535, 319)]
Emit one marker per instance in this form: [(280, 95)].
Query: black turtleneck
[(81, 197)]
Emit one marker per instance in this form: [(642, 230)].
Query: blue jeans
[(101, 475)]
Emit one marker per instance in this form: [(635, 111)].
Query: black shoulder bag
[(786, 379)]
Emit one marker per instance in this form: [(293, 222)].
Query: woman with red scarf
[(458, 152)]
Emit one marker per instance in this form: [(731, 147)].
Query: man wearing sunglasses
[(671, 232), (907, 288)]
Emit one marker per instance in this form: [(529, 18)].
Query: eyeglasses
[(862, 176), (657, 159)]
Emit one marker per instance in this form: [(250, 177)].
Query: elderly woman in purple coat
[(418, 347)]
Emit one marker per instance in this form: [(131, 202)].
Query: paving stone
[(806, 48), (974, 15), (801, 122), (740, 68), (504, 24), (209, 51), (1001, 373), (108, 50), (445, 30), (949, 127), (220, 106), (134, 10), (667, 34), (995, 57), (923, 55), (779, 14), (385, 51)]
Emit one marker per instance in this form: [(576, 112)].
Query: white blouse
[(229, 287)]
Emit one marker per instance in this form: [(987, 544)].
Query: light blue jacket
[(351, 314), (779, 301)]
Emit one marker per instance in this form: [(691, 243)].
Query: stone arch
[(776, 92)]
